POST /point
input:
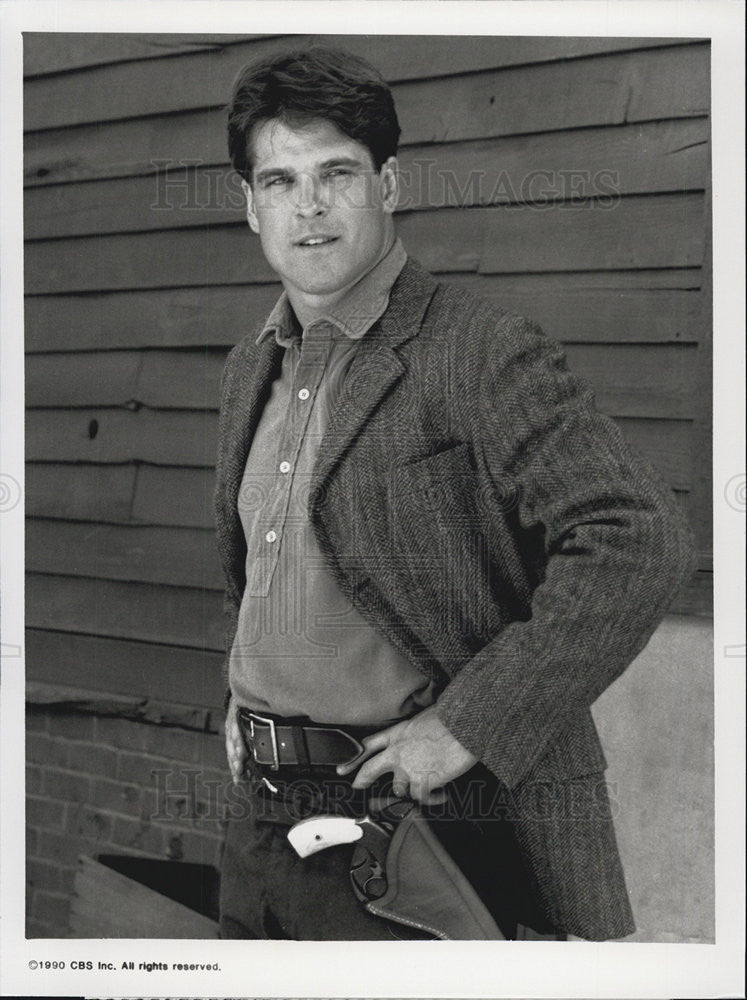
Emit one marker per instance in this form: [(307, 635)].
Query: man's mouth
[(316, 241)]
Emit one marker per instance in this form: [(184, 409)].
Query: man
[(437, 553)]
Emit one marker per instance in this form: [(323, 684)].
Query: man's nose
[(310, 197)]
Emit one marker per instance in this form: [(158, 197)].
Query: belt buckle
[(270, 723)]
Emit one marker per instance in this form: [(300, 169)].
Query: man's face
[(322, 210)]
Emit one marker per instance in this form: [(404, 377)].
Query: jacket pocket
[(440, 486)]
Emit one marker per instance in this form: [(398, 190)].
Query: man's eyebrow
[(334, 161), (341, 161)]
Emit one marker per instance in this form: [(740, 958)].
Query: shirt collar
[(354, 314)]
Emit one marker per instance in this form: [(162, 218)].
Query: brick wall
[(102, 784)]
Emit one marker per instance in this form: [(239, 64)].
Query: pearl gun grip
[(319, 832)]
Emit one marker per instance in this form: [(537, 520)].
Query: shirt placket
[(307, 376)]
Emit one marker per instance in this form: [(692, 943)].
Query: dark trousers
[(268, 891)]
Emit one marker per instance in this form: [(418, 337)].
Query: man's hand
[(421, 754), (235, 749)]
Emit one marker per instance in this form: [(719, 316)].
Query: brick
[(52, 909), (67, 880), (175, 744), (139, 836), (42, 875), (174, 798), (32, 840), (72, 817), (213, 753), (118, 733), (138, 768), (45, 812), (59, 847), (93, 824), (117, 796), (66, 786), (72, 725), (185, 799), (92, 758), (37, 719), (41, 749), (33, 779), (201, 848), (148, 804)]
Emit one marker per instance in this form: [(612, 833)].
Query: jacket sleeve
[(616, 550)]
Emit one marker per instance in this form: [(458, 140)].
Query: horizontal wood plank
[(164, 437), (181, 317), (639, 381), (136, 146), (599, 307), (159, 379), (46, 52), (180, 616), (594, 315), (60, 379), (555, 166), (695, 597), (630, 380), (120, 494), (83, 492), (171, 674), (606, 90), (633, 159), (635, 87), (167, 495), (660, 231), (123, 90), (666, 445), (180, 557), (200, 256), (614, 280)]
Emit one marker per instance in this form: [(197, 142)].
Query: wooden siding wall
[(141, 273)]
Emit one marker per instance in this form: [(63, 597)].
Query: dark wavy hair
[(305, 84)]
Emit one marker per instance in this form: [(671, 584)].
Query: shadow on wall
[(656, 724)]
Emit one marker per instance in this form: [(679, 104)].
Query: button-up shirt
[(301, 648)]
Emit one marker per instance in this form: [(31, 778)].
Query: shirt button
[(303, 393), (271, 536), (285, 467)]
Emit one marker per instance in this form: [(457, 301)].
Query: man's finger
[(400, 787), (371, 744), (372, 769)]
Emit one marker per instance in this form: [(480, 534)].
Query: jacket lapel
[(375, 369), (254, 382)]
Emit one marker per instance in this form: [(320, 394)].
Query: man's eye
[(276, 181), (338, 172)]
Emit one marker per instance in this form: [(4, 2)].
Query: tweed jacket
[(477, 510)]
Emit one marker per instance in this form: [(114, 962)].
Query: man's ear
[(251, 215), (389, 181)]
